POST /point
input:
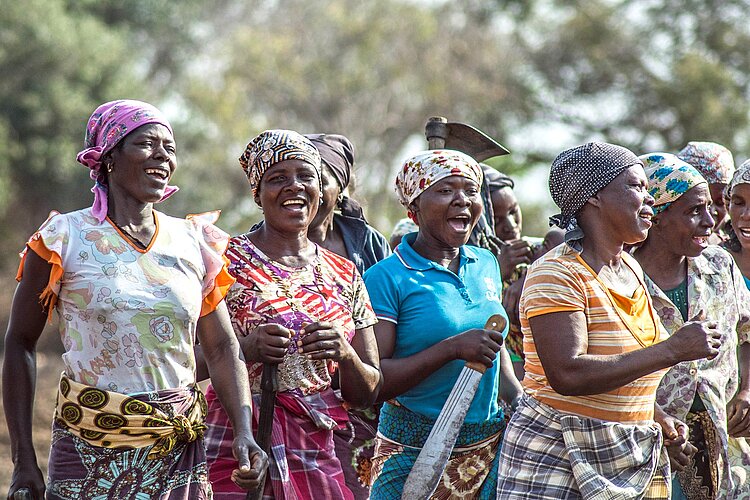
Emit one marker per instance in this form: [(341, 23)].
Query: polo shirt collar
[(412, 260)]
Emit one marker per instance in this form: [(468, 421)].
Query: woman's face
[(506, 214), (289, 194), (687, 223), (718, 205), (626, 205), (448, 211), (331, 191), (143, 163), (739, 213)]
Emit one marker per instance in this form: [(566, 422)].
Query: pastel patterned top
[(715, 286), (561, 281), (330, 290), (128, 316)]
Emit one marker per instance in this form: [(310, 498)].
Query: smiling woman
[(687, 277), (433, 298), (129, 319), (303, 308)]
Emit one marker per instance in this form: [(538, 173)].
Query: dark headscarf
[(496, 180), (337, 152), (579, 173)]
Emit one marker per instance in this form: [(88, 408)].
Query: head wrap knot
[(668, 178), (713, 161), (424, 169), (107, 126), (274, 146), (579, 173)]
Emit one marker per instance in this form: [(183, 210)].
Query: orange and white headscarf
[(424, 169)]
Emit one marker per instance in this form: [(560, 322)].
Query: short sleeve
[(552, 287), (362, 312), (49, 242), (213, 244), (383, 292)]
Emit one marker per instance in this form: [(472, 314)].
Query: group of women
[(631, 338)]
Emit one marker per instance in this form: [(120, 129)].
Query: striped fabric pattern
[(561, 281)]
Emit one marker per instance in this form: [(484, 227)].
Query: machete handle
[(497, 323)]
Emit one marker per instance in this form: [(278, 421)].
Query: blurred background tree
[(537, 75)]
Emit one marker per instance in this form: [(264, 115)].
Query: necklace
[(137, 242)]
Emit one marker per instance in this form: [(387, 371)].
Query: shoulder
[(341, 265), (388, 267), (714, 260)]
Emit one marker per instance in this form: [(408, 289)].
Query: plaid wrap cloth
[(550, 455)]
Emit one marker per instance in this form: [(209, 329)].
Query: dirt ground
[(49, 366)]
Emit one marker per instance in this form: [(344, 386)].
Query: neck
[(320, 231), (281, 245), (663, 266), (436, 251), (598, 252), (129, 212)]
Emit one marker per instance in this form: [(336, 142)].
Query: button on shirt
[(429, 303)]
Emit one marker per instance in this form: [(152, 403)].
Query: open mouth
[(743, 232), (460, 223), (294, 204), (646, 215), (701, 240), (158, 173)]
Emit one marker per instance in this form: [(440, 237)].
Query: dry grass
[(49, 366)]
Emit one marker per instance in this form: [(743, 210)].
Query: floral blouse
[(715, 285), (128, 316)]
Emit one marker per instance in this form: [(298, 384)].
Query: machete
[(433, 458)]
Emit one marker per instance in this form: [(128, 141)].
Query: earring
[(109, 167), (339, 198)]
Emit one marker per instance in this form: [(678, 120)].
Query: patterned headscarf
[(107, 126), (424, 169), (741, 176), (579, 173), (274, 146), (713, 161), (669, 178)]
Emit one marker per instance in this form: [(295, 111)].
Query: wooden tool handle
[(495, 322), (436, 132)]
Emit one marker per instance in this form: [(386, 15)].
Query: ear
[(413, 207), (594, 200), (257, 201)]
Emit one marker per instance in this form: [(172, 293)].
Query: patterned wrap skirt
[(79, 470), (472, 467)]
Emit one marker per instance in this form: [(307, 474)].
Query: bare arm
[(738, 409), (228, 373), (510, 387), (561, 340), (25, 326), (400, 375), (360, 379)]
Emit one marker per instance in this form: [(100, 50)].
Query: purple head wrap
[(106, 127)]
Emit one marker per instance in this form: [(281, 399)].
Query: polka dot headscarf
[(579, 173)]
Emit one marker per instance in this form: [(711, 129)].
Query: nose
[(709, 219), (461, 199), (649, 200), (160, 152)]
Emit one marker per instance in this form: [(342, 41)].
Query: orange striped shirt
[(562, 281)]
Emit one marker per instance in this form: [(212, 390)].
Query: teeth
[(745, 233), (156, 171), (292, 202)]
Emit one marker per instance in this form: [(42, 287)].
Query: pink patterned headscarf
[(713, 161), (424, 169), (106, 127)]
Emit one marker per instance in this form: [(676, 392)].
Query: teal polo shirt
[(429, 303)]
